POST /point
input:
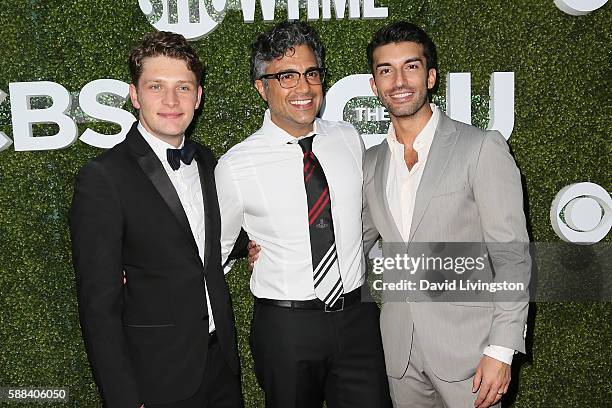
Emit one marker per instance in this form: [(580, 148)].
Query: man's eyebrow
[(414, 59), (180, 81), (296, 70), (287, 71), (388, 64)]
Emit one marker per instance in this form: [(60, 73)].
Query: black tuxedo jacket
[(146, 340)]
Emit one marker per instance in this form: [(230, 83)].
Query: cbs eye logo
[(579, 7), (178, 16), (581, 213)]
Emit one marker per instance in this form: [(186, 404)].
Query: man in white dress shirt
[(295, 186), (437, 180)]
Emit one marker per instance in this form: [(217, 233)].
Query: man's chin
[(404, 111), (169, 134), (175, 131), (305, 120)]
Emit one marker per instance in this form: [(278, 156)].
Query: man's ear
[(431, 78), (373, 86), (261, 88), (197, 105), (134, 96)]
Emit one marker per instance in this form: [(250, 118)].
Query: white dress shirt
[(402, 186), (186, 182), (260, 185)]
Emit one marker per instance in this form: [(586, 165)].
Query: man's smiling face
[(400, 77), (166, 97), (292, 109)]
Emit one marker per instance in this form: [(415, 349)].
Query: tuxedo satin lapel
[(380, 186), (206, 183), (149, 163), (439, 154), (156, 173)]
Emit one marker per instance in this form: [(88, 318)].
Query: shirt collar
[(425, 136), (277, 136), (159, 146)]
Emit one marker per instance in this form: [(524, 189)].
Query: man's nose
[(302, 86), (170, 98), (399, 79)]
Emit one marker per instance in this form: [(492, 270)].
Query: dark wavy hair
[(283, 37), (166, 44), (401, 31)]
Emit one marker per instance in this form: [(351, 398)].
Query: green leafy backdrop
[(561, 136)]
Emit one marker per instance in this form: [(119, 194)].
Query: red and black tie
[(326, 273)]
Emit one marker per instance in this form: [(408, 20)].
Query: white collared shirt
[(260, 185), (186, 182), (402, 186)]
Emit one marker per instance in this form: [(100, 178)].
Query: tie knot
[(306, 144), (185, 154)]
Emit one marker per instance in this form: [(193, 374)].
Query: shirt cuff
[(500, 353)]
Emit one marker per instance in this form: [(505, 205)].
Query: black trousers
[(220, 387), (305, 357)]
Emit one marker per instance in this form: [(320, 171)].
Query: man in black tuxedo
[(154, 306)]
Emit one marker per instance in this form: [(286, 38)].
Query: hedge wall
[(561, 136)]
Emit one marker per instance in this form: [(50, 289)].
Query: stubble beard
[(407, 110)]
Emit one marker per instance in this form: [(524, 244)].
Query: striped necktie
[(326, 273)]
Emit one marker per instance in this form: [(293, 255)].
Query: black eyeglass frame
[(322, 71)]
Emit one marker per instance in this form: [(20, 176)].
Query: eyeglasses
[(290, 79)]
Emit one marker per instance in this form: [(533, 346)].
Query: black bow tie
[(184, 154)]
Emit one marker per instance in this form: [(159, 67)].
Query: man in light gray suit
[(437, 180)]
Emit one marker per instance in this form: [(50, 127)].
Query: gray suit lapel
[(439, 155), (380, 186)]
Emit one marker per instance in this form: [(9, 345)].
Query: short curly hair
[(281, 38), (166, 44)]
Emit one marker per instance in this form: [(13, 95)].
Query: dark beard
[(408, 110)]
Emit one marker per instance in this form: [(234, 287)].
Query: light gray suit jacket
[(470, 191)]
